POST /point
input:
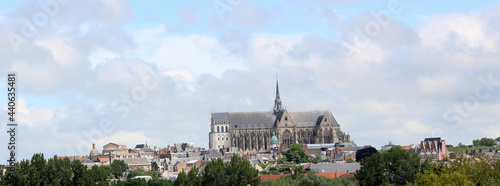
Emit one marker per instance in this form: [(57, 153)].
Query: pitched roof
[(136, 161), (267, 119), (311, 117), (335, 167)]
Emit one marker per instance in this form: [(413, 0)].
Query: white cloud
[(38, 118), (371, 93), (386, 108), (100, 56), (198, 53), (443, 85), (415, 127)]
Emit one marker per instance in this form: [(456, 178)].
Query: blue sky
[(86, 72)]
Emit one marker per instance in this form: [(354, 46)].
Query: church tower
[(278, 106)]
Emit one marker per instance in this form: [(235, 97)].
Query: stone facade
[(251, 132)]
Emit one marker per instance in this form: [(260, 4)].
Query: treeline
[(483, 143), (54, 171), (400, 167)]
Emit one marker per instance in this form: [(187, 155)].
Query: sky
[(132, 72)]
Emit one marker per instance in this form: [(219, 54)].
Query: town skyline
[(130, 72)]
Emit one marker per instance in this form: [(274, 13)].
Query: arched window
[(226, 129), (218, 129), (222, 128)]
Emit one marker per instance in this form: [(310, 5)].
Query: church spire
[(278, 106)]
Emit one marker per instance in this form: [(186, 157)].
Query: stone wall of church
[(258, 140), (219, 136)]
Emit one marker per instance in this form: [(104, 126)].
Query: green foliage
[(395, 166), (311, 179), (460, 149), (484, 142), (182, 179), (160, 182), (296, 154), (262, 165), (462, 171), (364, 153), (141, 172), (194, 177), (454, 178), (317, 158), (372, 170), (237, 172), (350, 160), (497, 140), (118, 167)]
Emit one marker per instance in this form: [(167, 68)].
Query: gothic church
[(251, 132)]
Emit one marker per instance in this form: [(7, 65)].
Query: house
[(433, 148), (143, 150), (164, 151), (134, 163), (192, 163), (113, 148), (122, 155), (180, 167)]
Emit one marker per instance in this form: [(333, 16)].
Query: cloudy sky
[(131, 71)]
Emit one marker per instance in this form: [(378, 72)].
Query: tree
[(475, 142), (395, 166), (454, 178), (484, 142), (372, 170), (194, 177), (236, 172), (118, 167), (182, 179), (364, 153), (487, 142), (317, 158), (80, 173), (498, 140), (350, 160), (296, 154), (141, 172)]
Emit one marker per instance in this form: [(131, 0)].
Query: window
[(218, 129), (227, 138), (222, 129), (226, 129)]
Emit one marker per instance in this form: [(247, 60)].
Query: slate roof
[(249, 120), (267, 119), (212, 154), (311, 117), (332, 167), (136, 161)]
